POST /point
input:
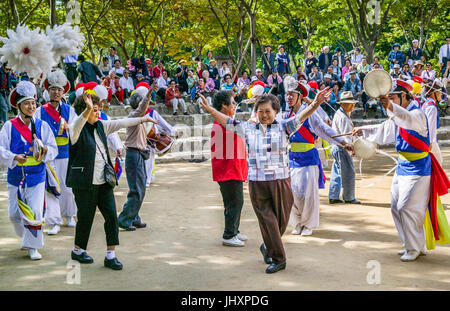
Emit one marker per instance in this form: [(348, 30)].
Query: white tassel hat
[(57, 79), (24, 90)]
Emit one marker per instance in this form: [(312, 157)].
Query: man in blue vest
[(26, 169), (59, 115)]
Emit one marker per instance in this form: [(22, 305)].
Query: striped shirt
[(268, 157)]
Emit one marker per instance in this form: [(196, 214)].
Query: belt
[(31, 161), (412, 156), (62, 141), (301, 147)]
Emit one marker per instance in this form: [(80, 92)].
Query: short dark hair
[(222, 98), (197, 58), (113, 48), (105, 58), (226, 75), (265, 98), (117, 60), (79, 105), (225, 63)]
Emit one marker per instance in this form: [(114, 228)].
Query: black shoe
[(334, 201), (263, 250), (113, 264), (139, 225), (364, 117), (186, 114), (130, 228), (83, 258), (275, 267), (175, 113), (354, 201)]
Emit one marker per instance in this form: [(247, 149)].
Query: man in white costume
[(305, 167), (58, 115), (17, 136), (410, 190)]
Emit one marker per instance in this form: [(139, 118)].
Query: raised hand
[(204, 103), (323, 95), (88, 101)]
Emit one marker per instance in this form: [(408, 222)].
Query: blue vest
[(33, 174), (421, 167), (63, 150), (103, 116)]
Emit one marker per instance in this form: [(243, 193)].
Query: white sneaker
[(410, 256), (242, 237), (234, 241), (54, 230), (34, 254), (422, 252), (401, 252), (71, 222), (306, 231), (297, 230)]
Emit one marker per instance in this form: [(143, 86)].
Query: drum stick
[(345, 134)]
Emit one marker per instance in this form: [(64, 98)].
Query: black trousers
[(87, 202), (71, 74), (233, 200)]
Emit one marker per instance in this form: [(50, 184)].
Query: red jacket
[(171, 94), (106, 83), (227, 163)]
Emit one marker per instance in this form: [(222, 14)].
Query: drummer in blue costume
[(26, 174), (307, 175)]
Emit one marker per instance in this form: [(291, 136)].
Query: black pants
[(87, 202), (233, 200), (161, 93), (71, 74)]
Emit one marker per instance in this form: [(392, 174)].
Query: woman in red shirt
[(229, 169)]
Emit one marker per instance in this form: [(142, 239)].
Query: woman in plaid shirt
[(269, 181)]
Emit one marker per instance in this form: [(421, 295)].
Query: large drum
[(160, 142)]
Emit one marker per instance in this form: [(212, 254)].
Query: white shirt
[(47, 138), (443, 52), (432, 114), (126, 83), (342, 124), (356, 59), (119, 71), (163, 84), (109, 127), (223, 72)]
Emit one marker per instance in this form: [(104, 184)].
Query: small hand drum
[(364, 149), (377, 83)]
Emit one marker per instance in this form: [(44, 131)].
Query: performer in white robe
[(59, 116), (432, 95), (411, 184), (306, 171), (16, 138)]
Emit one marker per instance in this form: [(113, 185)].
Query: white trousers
[(199, 100), (34, 198), (66, 199), (409, 201), (305, 189), (178, 101), (149, 166), (52, 213)]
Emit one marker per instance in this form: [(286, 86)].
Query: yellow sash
[(31, 161), (412, 156), (301, 147), (62, 141)]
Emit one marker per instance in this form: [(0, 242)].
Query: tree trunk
[(53, 13), (252, 18), (14, 13)]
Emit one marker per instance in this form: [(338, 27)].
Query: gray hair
[(135, 100), (205, 72)]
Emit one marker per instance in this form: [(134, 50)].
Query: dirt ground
[(181, 247)]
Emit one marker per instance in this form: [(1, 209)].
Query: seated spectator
[(347, 75), (192, 81), (299, 75), (229, 85), (353, 84), (158, 69), (363, 69), (224, 70), (310, 62), (376, 61), (339, 57), (417, 69), (214, 73), (335, 97), (173, 98), (118, 69), (153, 90), (315, 75), (163, 84), (335, 78), (274, 80), (405, 74), (105, 68), (346, 69), (126, 83), (396, 56), (112, 84), (148, 63), (327, 81), (335, 70), (208, 58), (429, 74), (356, 58), (243, 83), (259, 75), (208, 81), (395, 72), (203, 89)]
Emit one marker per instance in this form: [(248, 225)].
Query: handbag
[(108, 171)]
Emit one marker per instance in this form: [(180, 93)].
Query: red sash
[(23, 129), (148, 110), (306, 134), (52, 112), (439, 181)]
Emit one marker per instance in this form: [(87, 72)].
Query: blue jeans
[(4, 106), (136, 178), (342, 175)]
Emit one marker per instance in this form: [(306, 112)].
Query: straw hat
[(347, 97)]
